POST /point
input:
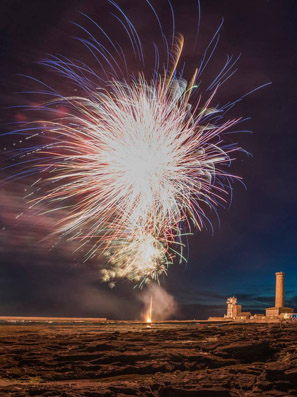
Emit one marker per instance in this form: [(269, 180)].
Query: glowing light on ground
[(150, 311)]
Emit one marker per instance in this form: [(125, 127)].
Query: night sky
[(255, 237)]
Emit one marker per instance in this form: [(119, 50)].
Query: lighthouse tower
[(279, 308)]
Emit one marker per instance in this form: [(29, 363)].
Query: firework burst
[(134, 162)]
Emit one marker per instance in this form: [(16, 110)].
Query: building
[(279, 310), (232, 307), (273, 314), (234, 311)]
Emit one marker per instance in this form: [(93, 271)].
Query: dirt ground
[(130, 359)]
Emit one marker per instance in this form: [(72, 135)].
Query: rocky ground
[(170, 360)]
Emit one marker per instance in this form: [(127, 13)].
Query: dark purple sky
[(256, 236)]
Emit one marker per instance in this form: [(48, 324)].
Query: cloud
[(200, 312), (292, 302)]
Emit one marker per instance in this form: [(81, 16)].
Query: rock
[(168, 360), (247, 352), (173, 392), (291, 375)]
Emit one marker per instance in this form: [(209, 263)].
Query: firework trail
[(149, 316), (134, 163)]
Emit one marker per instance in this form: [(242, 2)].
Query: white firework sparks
[(135, 162)]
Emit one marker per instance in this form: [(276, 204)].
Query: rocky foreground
[(177, 359)]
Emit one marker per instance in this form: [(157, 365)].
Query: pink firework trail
[(134, 162)]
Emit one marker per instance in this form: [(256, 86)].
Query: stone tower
[(279, 309), (279, 289)]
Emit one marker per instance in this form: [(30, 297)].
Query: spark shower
[(135, 161)]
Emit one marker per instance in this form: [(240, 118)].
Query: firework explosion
[(134, 163)]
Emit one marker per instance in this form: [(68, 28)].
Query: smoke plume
[(164, 305)]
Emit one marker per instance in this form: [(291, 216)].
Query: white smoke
[(163, 304)]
